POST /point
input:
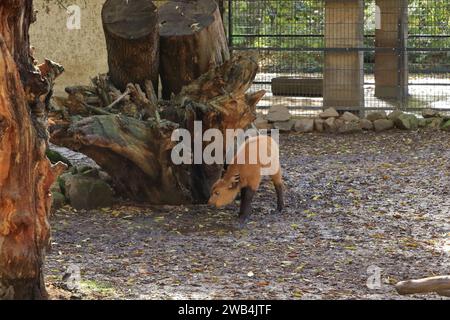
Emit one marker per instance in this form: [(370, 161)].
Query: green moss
[(56, 157), (96, 287), (446, 126)]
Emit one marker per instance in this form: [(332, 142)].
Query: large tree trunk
[(25, 173), (132, 37), (193, 40), (137, 152)]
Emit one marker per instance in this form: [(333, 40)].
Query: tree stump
[(132, 38), (136, 151), (193, 40), (25, 172)]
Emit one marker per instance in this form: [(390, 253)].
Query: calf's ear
[(235, 181), (234, 185)]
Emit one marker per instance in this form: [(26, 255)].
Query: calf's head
[(224, 191)]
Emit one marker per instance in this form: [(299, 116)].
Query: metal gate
[(351, 54)]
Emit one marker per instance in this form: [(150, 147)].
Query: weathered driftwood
[(135, 149), (25, 172), (132, 37), (439, 285), (193, 40)]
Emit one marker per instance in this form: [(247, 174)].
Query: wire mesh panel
[(351, 54), (289, 36), (429, 54)]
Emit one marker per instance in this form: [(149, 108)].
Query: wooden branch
[(151, 94), (148, 107), (234, 77), (440, 285), (119, 98), (95, 110), (58, 168), (81, 89), (101, 84)]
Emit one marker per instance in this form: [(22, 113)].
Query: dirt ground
[(357, 204)]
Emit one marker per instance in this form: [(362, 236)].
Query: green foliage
[(289, 24)]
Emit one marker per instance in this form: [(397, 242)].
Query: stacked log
[(132, 37), (193, 41)]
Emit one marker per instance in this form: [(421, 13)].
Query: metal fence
[(350, 54)]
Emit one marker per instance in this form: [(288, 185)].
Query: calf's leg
[(277, 180), (247, 195), (280, 197)]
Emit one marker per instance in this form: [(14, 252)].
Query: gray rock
[(434, 123), (278, 114), (62, 181), (394, 115), (407, 122), (262, 124), (348, 116), (332, 125), (318, 125), (329, 125), (304, 125), (422, 122), (366, 124), (329, 113), (84, 192), (350, 127), (55, 187), (383, 124), (105, 177), (430, 113), (446, 126), (285, 126), (377, 115), (58, 201)]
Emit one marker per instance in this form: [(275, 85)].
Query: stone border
[(330, 121)]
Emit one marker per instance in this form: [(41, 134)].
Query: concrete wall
[(82, 52)]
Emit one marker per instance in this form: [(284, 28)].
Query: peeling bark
[(25, 172)]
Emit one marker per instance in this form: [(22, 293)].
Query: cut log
[(440, 285), (25, 172), (132, 37), (137, 152), (193, 40)]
